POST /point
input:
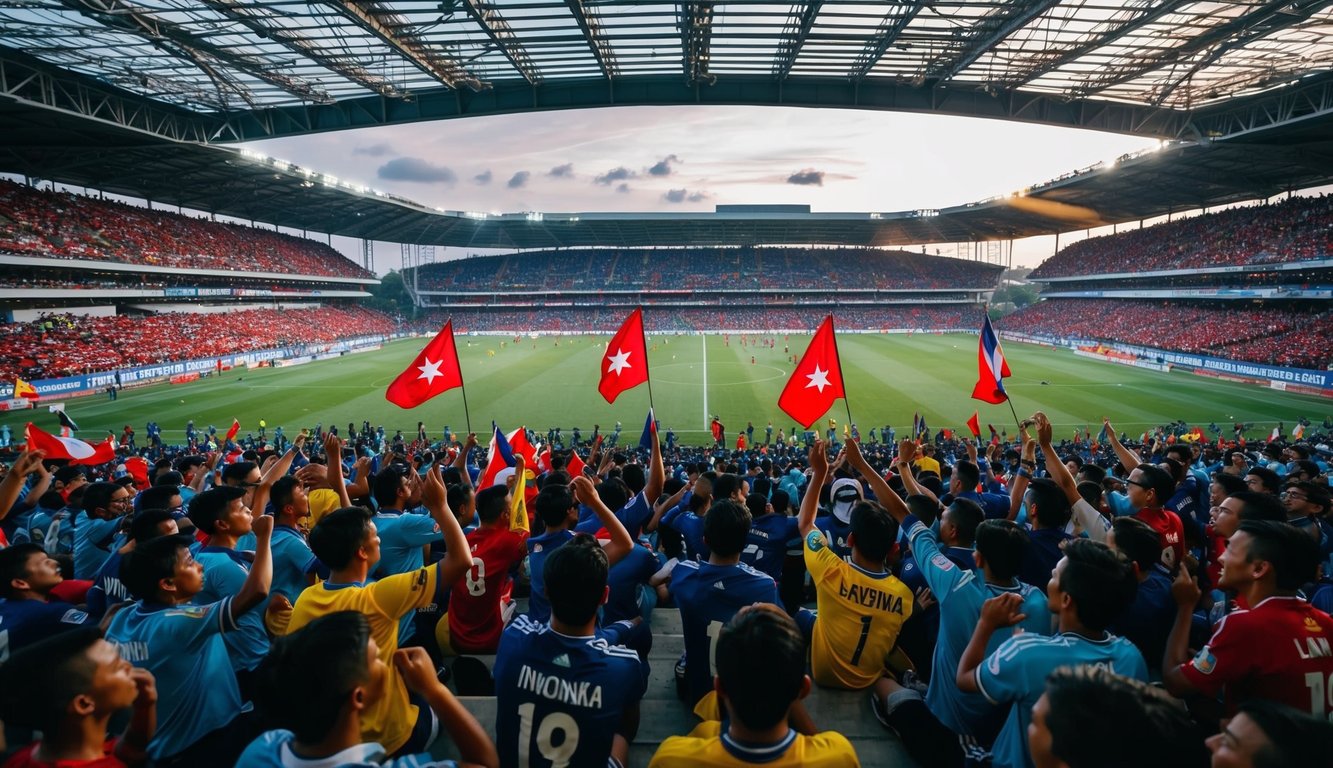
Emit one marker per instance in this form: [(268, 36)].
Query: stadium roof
[(127, 97), (223, 70)]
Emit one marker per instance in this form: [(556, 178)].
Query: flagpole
[(846, 401), (467, 417), (647, 371), (985, 315)]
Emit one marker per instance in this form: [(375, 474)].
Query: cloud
[(684, 195), (561, 171), (483, 178), (519, 179), (808, 177), (663, 167), (417, 170), (614, 175), (374, 150), (623, 188)]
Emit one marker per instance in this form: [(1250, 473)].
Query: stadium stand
[(673, 319), (63, 225), (1296, 229), (63, 345)]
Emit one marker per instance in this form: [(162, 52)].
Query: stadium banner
[(1148, 364), (17, 404)]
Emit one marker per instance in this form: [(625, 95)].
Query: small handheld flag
[(23, 389), (992, 368), (432, 372), (625, 362), (649, 435), (232, 432), (974, 424)]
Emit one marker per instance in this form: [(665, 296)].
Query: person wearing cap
[(844, 494)]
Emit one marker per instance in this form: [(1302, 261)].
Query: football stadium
[(295, 471)]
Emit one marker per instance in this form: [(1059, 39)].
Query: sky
[(693, 158)]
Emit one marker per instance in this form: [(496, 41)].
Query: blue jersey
[(539, 608), (633, 515), (995, 505), (766, 543), (402, 536), (182, 646), (561, 699), (624, 579), (107, 590), (690, 527), (1016, 674), (93, 538), (293, 562), (1041, 555), (960, 593), (1147, 622), (709, 596), (273, 750), (225, 571), (837, 534), (24, 622)]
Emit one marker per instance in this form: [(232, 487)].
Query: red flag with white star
[(433, 371), (817, 380), (625, 362)]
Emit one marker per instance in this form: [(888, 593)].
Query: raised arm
[(883, 493), (906, 455), (475, 748), (1128, 458), (457, 556), (43, 484), (1027, 460), (275, 469), (656, 473), (1054, 466), (621, 542), (810, 502), (12, 485), (334, 469), (1186, 593), (460, 463), (661, 506), (260, 578)]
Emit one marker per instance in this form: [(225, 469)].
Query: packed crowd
[(1296, 229), (66, 345), (1039, 603), (688, 319), (765, 269), (1277, 334), (63, 225)]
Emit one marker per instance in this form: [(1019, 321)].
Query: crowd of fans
[(1029, 603), (764, 269), (1296, 229), (690, 319), (63, 225), (65, 345), (1299, 336)]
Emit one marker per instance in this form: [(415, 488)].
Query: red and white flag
[(433, 371), (625, 362), (72, 449), (817, 380)]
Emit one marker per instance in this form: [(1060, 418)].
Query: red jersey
[(475, 622), (1280, 650), (24, 759), (1170, 531)]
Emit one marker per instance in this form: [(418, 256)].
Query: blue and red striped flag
[(992, 368)]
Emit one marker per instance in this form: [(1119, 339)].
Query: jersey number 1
[(861, 644)]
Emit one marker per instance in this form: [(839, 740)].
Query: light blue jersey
[(402, 536), (1016, 674), (292, 562), (274, 750), (960, 593), (182, 646), (225, 571), (93, 539)]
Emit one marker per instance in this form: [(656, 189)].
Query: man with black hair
[(861, 605), (1149, 487), (1048, 520), (760, 678), (1147, 621), (107, 589), (1091, 718), (1307, 504), (565, 695), (1265, 734), (479, 603), (104, 505), (68, 687), (1263, 480), (766, 544), (963, 485), (1089, 588), (27, 612), (1280, 648), (709, 593), (1000, 545), (182, 645), (346, 541), (318, 681), (557, 508), (631, 496)]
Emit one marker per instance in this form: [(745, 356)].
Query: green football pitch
[(546, 382)]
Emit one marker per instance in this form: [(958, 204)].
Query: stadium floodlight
[(1109, 164), (330, 181), (282, 165)]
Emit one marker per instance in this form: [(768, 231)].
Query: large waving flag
[(817, 380), (69, 448), (433, 371), (625, 363), (501, 456), (24, 390), (992, 367)]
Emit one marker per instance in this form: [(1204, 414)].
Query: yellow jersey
[(708, 746), (389, 720), (860, 616)]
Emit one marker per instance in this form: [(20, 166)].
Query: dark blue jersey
[(24, 622), (766, 543), (709, 596)]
